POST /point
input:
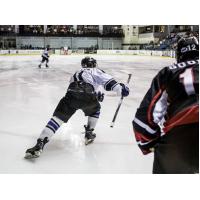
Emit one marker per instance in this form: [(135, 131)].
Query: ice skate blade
[(30, 156), (88, 141)]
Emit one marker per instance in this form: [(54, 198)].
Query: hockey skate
[(35, 151), (39, 66), (89, 135), (47, 66)]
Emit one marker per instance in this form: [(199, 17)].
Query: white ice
[(28, 97)]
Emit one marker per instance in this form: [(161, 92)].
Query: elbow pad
[(118, 89)]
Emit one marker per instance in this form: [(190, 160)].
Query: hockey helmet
[(48, 47), (187, 49), (88, 62)]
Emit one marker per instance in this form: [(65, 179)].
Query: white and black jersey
[(82, 93), (45, 54), (97, 78)]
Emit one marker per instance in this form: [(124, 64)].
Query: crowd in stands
[(7, 30), (170, 41), (87, 30), (54, 30), (63, 30), (30, 30), (166, 43), (112, 31), (30, 47)]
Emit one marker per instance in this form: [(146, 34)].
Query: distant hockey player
[(167, 121), (45, 57), (83, 94)]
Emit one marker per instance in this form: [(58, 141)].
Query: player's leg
[(47, 61), (61, 115), (42, 61), (89, 134), (52, 126), (93, 119), (93, 113)]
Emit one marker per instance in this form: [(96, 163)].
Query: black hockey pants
[(178, 151), (72, 102)]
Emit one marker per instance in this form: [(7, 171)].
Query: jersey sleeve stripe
[(109, 84), (141, 137), (187, 116), (80, 76), (75, 79), (145, 126), (114, 86)]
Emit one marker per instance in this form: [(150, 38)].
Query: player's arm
[(74, 77), (110, 84), (151, 112)]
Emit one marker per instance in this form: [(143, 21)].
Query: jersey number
[(187, 80), (190, 47)]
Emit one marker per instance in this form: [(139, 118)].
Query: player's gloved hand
[(125, 90), (100, 96)]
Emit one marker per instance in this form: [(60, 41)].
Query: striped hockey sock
[(52, 126)]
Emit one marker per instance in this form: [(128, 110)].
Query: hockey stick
[(119, 104)]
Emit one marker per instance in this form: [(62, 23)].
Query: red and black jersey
[(172, 100)]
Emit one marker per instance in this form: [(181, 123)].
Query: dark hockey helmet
[(88, 62), (48, 47), (187, 49)]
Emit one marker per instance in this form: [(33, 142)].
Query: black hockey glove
[(100, 96), (125, 90)]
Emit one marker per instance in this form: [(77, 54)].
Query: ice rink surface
[(28, 97)]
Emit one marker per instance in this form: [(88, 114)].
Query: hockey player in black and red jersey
[(45, 57), (167, 121), (82, 94)]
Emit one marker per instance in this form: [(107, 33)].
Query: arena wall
[(20, 52), (169, 53), (71, 42)]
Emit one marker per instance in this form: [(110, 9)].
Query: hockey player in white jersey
[(83, 94), (45, 57)]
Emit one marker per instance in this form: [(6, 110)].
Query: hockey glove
[(100, 96), (125, 90)]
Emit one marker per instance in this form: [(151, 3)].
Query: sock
[(92, 121), (52, 126)]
